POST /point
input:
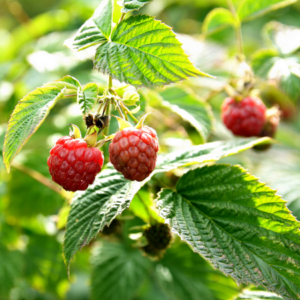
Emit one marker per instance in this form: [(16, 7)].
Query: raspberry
[(73, 165), (244, 118), (158, 237), (133, 152)]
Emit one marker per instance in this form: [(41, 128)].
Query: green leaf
[(111, 193), (191, 108), (26, 118), (144, 52), (217, 19), (183, 274), (10, 270), (87, 98), (258, 295), (237, 223), (130, 5), (290, 77), (68, 82), (43, 261), (96, 207), (117, 271), (263, 61), (249, 9), (285, 38), (95, 30)]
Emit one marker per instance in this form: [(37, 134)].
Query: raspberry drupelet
[(244, 118), (73, 165), (133, 152)]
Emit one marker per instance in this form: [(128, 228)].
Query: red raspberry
[(73, 165), (244, 118), (133, 152)]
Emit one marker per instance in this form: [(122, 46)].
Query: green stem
[(129, 112), (119, 108), (238, 30), (121, 18)]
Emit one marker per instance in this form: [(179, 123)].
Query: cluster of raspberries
[(74, 165)]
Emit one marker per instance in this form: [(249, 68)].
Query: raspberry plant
[(221, 211)]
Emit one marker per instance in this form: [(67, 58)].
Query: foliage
[(228, 227)]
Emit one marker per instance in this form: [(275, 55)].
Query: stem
[(151, 219), (119, 109), (40, 178), (129, 112), (121, 18), (109, 82), (238, 30), (70, 96)]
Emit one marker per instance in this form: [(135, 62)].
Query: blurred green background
[(33, 216)]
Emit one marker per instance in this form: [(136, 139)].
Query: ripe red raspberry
[(133, 152), (244, 118), (73, 165)]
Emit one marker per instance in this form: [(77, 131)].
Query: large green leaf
[(290, 77), (144, 52), (249, 9), (26, 118), (87, 98), (285, 38), (263, 61), (218, 18), (95, 30), (118, 271), (190, 108), (10, 270), (111, 193), (183, 274), (43, 260), (238, 224), (130, 5), (96, 207)]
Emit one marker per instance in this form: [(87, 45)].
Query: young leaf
[(249, 9), (26, 118), (111, 193), (87, 98), (130, 5), (68, 82), (217, 19), (118, 271), (190, 108), (237, 223), (95, 30), (144, 52)]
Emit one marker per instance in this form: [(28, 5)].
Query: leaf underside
[(130, 5), (111, 193), (144, 52), (190, 108), (237, 223), (87, 98), (95, 30)]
